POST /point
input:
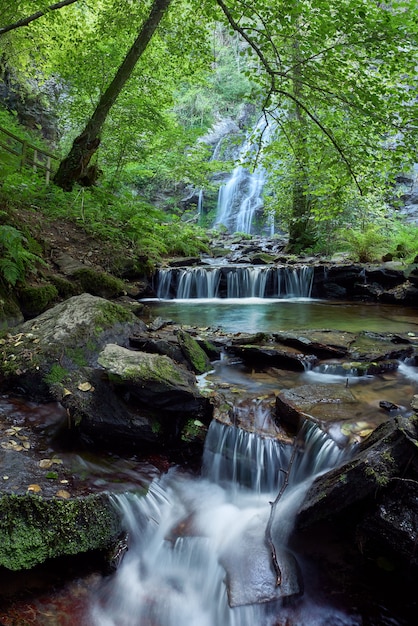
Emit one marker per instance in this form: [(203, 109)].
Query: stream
[(197, 551)]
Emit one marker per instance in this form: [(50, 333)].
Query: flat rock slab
[(321, 403), (250, 575)]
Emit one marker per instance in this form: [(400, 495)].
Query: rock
[(195, 356), (48, 351), (319, 403), (156, 345), (34, 529), (155, 380), (250, 577), (348, 492), (269, 356), (185, 261), (390, 531), (324, 344)]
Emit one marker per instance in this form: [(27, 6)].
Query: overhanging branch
[(31, 18)]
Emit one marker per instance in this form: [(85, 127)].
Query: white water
[(187, 529), (240, 199), (234, 282)]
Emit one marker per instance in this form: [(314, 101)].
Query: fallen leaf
[(34, 488), (45, 463), (84, 386), (63, 494), (66, 392)]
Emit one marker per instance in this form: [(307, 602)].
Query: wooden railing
[(28, 155)]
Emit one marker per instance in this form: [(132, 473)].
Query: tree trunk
[(300, 232), (75, 166)]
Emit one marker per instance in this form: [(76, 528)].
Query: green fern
[(15, 260)]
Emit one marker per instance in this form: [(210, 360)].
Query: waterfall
[(240, 198), (234, 282), (197, 554)]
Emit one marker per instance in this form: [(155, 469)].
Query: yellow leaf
[(45, 463), (66, 392), (35, 488), (63, 494), (84, 386)]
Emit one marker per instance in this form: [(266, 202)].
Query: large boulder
[(50, 349), (372, 498), (155, 380)]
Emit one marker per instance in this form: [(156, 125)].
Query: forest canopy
[(133, 86)]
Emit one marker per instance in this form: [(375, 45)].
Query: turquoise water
[(248, 315)]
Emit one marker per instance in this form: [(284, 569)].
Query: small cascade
[(234, 282), (240, 198), (190, 538), (244, 459), (409, 370), (339, 373)]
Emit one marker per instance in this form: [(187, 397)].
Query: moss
[(10, 313), (161, 369), (194, 430), (57, 374), (99, 283), (65, 287), (35, 300), (33, 529), (77, 356), (193, 352), (110, 314)]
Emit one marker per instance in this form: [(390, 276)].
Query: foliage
[(15, 259), (365, 244)]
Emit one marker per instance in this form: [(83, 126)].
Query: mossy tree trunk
[(75, 166)]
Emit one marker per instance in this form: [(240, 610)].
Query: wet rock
[(349, 493), (268, 356), (34, 529), (250, 577), (323, 343), (153, 379), (390, 531), (319, 403), (369, 346)]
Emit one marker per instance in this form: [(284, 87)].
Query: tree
[(75, 166), (351, 87), (25, 21)]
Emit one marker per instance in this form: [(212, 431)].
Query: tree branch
[(31, 18), (268, 535)]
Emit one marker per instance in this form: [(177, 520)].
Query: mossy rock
[(99, 283), (45, 350), (34, 529), (10, 313), (194, 354), (65, 287), (36, 299)]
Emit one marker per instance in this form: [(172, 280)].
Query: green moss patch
[(35, 300), (99, 283), (33, 529)]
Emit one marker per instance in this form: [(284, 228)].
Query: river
[(197, 541)]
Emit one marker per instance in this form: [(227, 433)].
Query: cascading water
[(234, 282), (240, 198), (198, 555)]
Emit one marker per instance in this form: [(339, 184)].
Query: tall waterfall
[(197, 554), (240, 198), (234, 282)]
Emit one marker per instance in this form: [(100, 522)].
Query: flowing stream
[(198, 554)]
